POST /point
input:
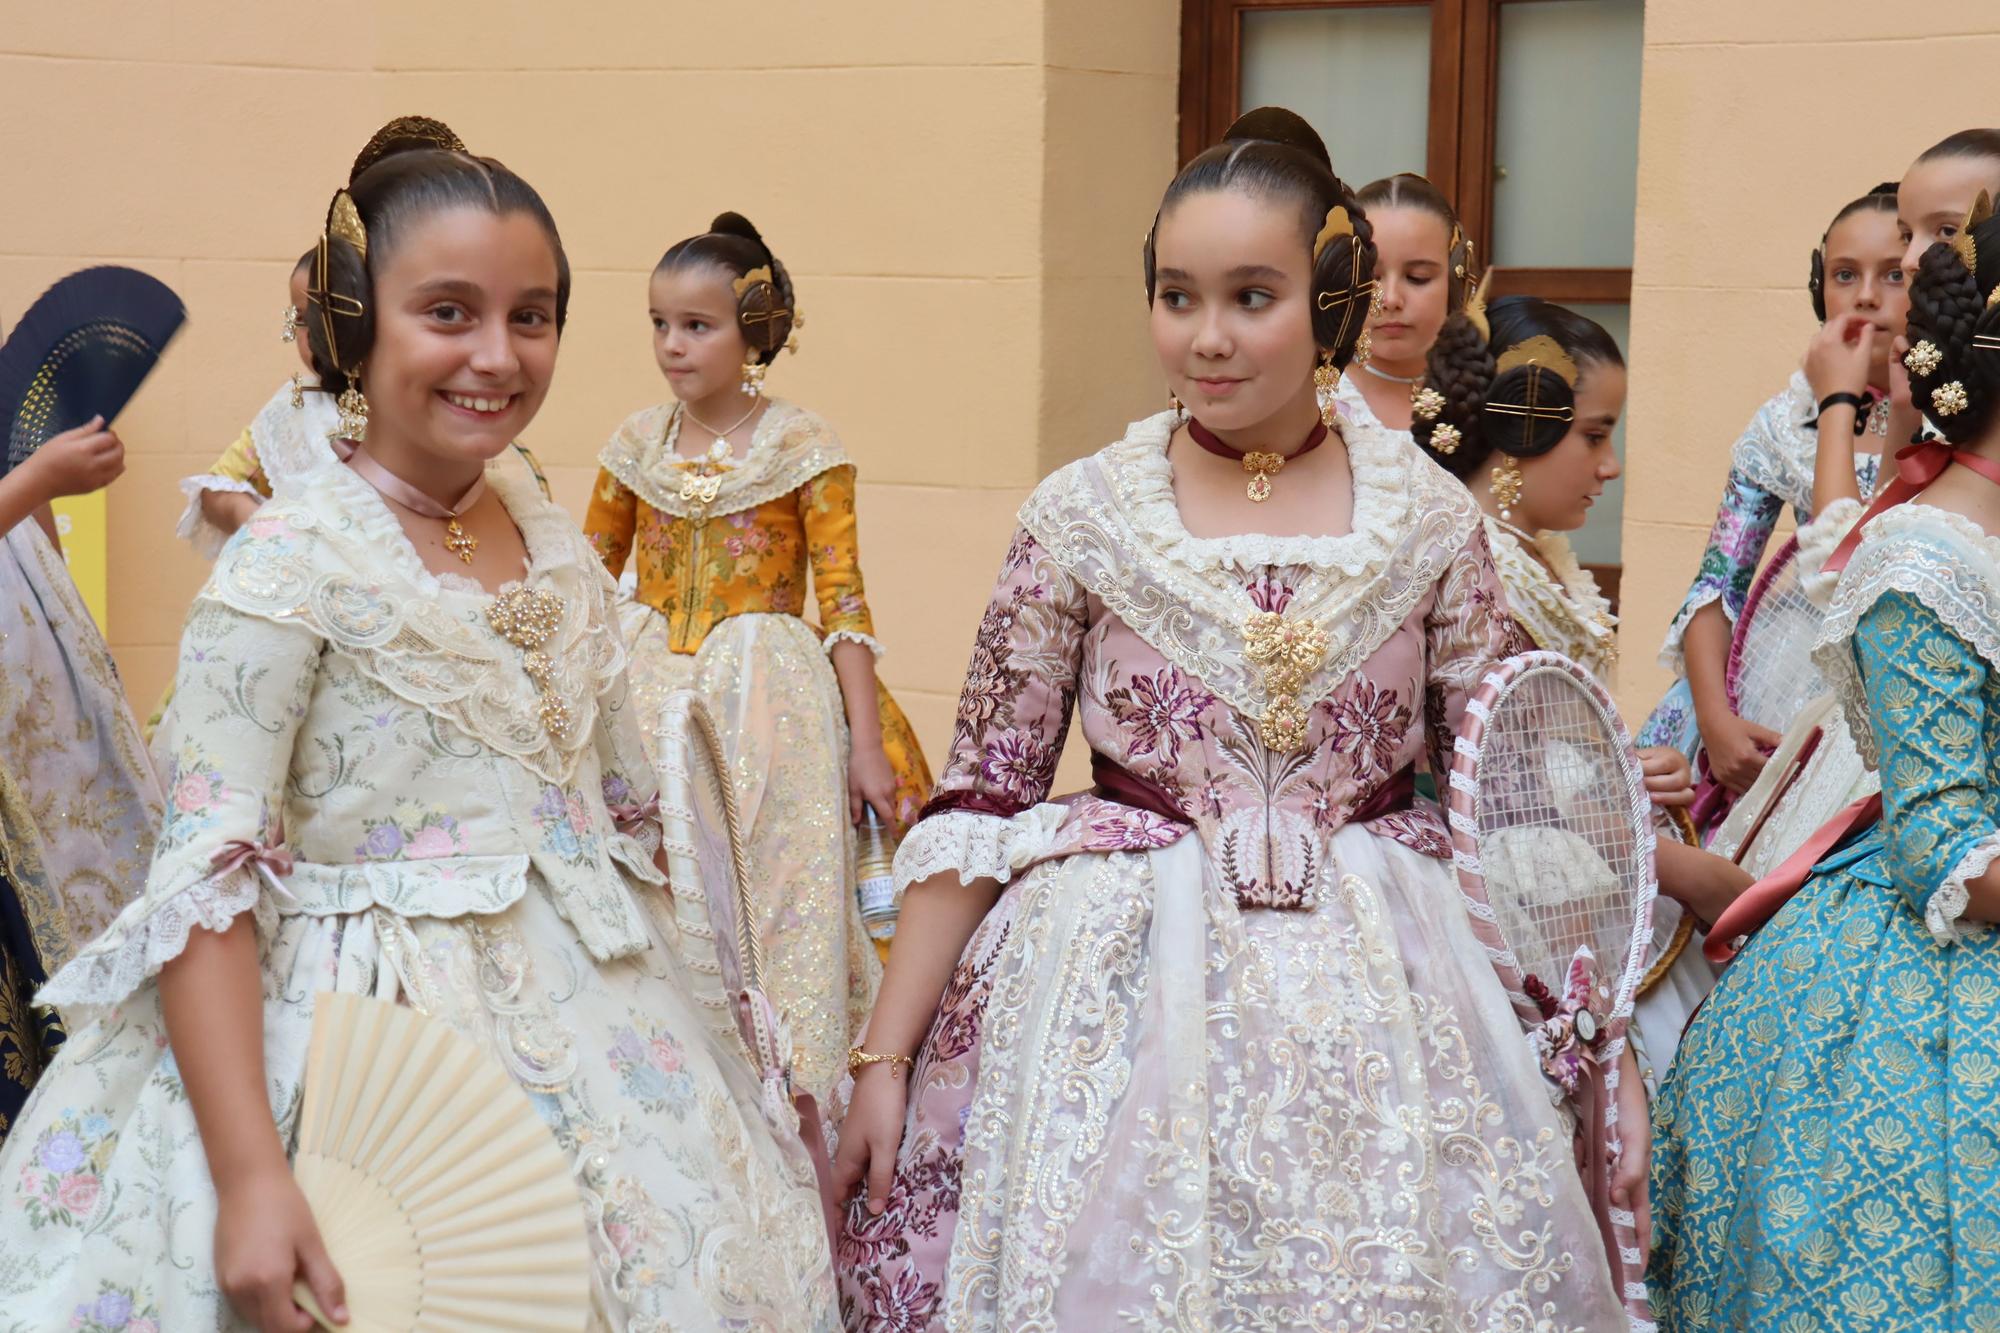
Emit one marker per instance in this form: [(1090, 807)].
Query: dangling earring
[(353, 408), (298, 392), (753, 376), (1507, 485), (1364, 347), (1174, 403), (1326, 382), (288, 331)]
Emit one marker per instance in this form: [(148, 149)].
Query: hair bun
[(405, 134), (735, 224), (1275, 124)]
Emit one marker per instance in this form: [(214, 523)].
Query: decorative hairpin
[(1475, 308), (1338, 224), (1967, 248), (343, 222), (1540, 350), (1445, 438), (1949, 399), (1924, 357), (1426, 402)]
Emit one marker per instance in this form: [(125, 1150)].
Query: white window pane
[(1566, 133), (1362, 77), (1598, 543)]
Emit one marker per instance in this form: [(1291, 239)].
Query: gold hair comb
[(343, 222), (1967, 248), (1338, 224), (1540, 350), (762, 273), (1475, 307)]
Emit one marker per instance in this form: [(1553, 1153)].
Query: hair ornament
[(1475, 307), (1923, 358), (1426, 403), (1338, 224), (762, 273), (1967, 248), (401, 134), (1445, 438), (1949, 399), (343, 222), (1540, 350)]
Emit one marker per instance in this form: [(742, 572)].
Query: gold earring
[(353, 408), (753, 376), (298, 392), (1364, 347), (1507, 485), (1174, 402), (1326, 383), (289, 331)]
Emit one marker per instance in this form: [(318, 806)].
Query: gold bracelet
[(858, 1059)]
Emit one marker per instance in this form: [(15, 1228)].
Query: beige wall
[(959, 191), (1758, 120)]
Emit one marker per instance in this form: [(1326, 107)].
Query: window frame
[(1464, 88)]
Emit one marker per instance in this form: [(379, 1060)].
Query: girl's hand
[(870, 781), (1841, 355), (1737, 750), (1629, 1185), (871, 1134), (1669, 776), (78, 461), (265, 1240)]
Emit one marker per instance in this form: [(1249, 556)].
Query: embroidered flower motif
[(651, 1066), (1159, 713), (1368, 723), (1018, 765), (419, 834), (1126, 830), (64, 1175), (116, 1310), (1269, 594)]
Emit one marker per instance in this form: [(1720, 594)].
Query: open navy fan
[(82, 351)]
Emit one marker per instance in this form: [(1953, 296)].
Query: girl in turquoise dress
[(1827, 1146)]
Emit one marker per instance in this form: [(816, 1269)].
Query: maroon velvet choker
[(1261, 466)]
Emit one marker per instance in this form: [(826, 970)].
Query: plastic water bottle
[(875, 878)]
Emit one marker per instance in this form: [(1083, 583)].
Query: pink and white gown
[(1225, 1054)]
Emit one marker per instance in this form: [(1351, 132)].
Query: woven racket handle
[(1618, 1228)]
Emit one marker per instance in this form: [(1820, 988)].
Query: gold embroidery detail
[(1287, 652)]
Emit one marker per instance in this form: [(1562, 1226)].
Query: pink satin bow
[(269, 860), (1917, 466), (630, 816)]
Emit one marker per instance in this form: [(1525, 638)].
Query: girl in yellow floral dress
[(728, 498)]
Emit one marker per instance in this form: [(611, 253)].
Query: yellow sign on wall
[(80, 522)]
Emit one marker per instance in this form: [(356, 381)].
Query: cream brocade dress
[(1225, 1054), (453, 853)]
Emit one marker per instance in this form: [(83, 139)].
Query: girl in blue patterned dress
[(1828, 1144)]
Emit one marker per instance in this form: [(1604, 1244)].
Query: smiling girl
[(404, 766), (1200, 1048), (728, 500)]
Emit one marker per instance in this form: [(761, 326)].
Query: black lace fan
[(82, 351)]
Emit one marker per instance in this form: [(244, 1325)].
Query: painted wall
[(959, 191), (1757, 122)]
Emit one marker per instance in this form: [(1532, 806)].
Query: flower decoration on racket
[(443, 1199), (1553, 840)]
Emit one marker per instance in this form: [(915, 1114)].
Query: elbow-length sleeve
[(1925, 689), (610, 521), (238, 471), (1467, 629), (1743, 525), (1013, 716), (833, 546), (240, 695)]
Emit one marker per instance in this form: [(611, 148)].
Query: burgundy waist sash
[(1114, 782)]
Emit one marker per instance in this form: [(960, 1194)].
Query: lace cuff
[(1949, 902), (868, 641), (1816, 542), (977, 846), (1673, 657), (194, 527), (147, 937)]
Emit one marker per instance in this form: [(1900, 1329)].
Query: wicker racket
[(1552, 835)]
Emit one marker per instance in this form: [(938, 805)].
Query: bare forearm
[(854, 667), (1705, 644), (213, 998), (228, 510), (21, 495), (938, 918), (1701, 881), (1833, 468)]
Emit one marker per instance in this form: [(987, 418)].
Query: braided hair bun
[(1954, 380), (766, 310), (405, 134), (1522, 411), (1273, 153)]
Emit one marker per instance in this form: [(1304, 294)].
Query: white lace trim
[(1946, 561), (1777, 450), (1383, 497), (334, 558), (292, 441), (1348, 398), (1948, 903), (1566, 613), (131, 953), (1817, 541), (1673, 653), (976, 846), (868, 641), (194, 527), (789, 447)]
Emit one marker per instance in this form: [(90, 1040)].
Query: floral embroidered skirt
[(1826, 1151), (1143, 1107), (699, 1217), (769, 686)]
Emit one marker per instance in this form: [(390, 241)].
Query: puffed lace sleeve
[(237, 472), (239, 696), (986, 819)]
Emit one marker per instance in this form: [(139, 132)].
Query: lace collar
[(1353, 405), (1566, 612), (331, 555), (1944, 560), (292, 440), (1779, 450), (1110, 520), (789, 447)]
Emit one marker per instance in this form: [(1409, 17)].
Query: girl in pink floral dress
[(1213, 1045)]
